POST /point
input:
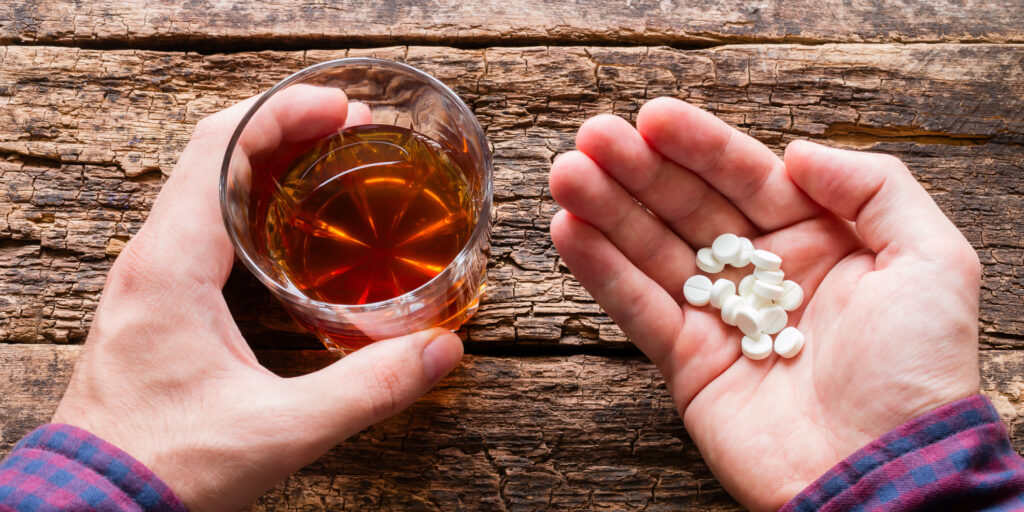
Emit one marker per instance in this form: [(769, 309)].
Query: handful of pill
[(760, 307)]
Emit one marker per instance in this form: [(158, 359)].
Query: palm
[(881, 349)]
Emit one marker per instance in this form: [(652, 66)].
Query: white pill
[(707, 261), (747, 319), (767, 290), (697, 290), (789, 342), (721, 290), (758, 301), (742, 259), (746, 286), (729, 308), (765, 259), (757, 347), (769, 276), (792, 295), (726, 247), (773, 319)]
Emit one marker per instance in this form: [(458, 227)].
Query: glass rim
[(471, 242)]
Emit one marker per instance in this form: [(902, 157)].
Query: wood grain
[(536, 433), (92, 122), (574, 433), (281, 24), (87, 136)]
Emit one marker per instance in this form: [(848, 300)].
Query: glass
[(398, 96)]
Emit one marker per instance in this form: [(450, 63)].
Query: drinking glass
[(397, 95)]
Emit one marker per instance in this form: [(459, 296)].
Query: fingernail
[(441, 355)]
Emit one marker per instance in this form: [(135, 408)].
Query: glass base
[(341, 346)]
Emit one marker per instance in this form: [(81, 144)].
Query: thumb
[(892, 212), (375, 382)]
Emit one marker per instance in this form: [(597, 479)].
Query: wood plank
[(499, 434), (87, 135), (1002, 380), (543, 433), (280, 24)]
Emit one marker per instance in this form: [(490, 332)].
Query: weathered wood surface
[(278, 24), (536, 433), (498, 434), (86, 136)]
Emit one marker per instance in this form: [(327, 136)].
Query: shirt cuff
[(957, 457), (61, 467)]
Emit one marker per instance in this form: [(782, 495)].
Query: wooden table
[(552, 408)]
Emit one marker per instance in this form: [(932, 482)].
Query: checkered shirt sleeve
[(957, 457), (60, 467)]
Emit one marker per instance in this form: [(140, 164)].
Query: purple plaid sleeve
[(60, 467), (957, 457)]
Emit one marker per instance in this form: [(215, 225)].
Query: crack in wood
[(208, 26), (775, 93), (850, 134)]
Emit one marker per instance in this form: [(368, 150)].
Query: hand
[(891, 308), (165, 374)]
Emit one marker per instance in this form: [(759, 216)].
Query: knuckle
[(955, 254), (206, 127), (383, 390), (752, 187), (966, 259), (892, 163), (129, 275), (652, 249), (638, 301), (140, 271)]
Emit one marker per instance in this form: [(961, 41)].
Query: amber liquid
[(367, 215)]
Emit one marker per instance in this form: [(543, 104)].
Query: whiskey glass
[(398, 95)]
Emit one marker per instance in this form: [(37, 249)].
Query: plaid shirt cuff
[(64, 468), (957, 457)]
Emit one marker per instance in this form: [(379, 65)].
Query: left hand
[(166, 375)]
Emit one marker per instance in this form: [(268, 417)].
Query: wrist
[(86, 472), (924, 461)]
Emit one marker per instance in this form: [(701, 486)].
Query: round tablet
[(789, 342), (721, 290), (697, 290), (757, 347), (768, 290), (765, 259), (769, 276), (747, 319), (746, 286), (758, 301), (773, 319), (792, 295), (726, 247), (746, 249), (707, 262), (729, 308)]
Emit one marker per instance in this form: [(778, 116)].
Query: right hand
[(891, 308)]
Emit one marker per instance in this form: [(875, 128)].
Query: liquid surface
[(368, 215)]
